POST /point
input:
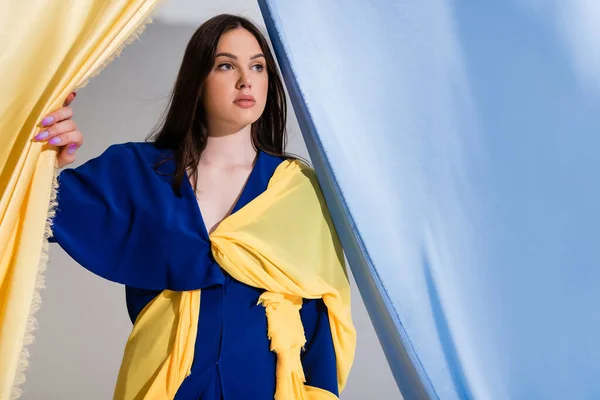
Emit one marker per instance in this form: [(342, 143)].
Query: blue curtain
[(456, 143)]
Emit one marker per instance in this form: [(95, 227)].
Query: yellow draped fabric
[(284, 242), (49, 48)]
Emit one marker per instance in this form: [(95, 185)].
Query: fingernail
[(74, 94), (47, 121), (54, 140), (71, 148), (42, 135)]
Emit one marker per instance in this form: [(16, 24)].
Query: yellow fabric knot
[(286, 333)]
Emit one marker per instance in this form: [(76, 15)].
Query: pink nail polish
[(42, 135), (71, 148), (47, 121), (54, 140)]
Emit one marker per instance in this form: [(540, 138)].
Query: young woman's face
[(235, 91)]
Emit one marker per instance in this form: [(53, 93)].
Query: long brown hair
[(182, 128)]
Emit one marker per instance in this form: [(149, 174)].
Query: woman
[(212, 220)]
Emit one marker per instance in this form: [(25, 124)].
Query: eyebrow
[(235, 57)]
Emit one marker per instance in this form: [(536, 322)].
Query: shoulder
[(128, 152), (128, 158), (297, 167), (121, 166), (296, 173)]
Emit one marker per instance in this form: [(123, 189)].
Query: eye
[(225, 67), (258, 67)]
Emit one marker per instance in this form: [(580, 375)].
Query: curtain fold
[(48, 50)]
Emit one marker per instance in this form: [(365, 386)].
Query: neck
[(231, 148)]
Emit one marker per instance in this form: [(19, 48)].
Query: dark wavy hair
[(182, 128)]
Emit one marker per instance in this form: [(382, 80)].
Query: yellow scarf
[(263, 245)]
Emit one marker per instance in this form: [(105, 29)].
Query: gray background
[(83, 320)]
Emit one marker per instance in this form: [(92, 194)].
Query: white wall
[(83, 319)]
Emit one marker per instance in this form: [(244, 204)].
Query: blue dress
[(119, 217)]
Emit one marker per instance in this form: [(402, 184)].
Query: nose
[(244, 82)]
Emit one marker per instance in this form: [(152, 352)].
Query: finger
[(70, 98), (66, 155), (59, 115), (72, 141), (55, 130), (65, 139)]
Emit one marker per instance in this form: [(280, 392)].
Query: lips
[(245, 101), (245, 97)]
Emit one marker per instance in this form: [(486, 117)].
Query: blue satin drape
[(456, 143)]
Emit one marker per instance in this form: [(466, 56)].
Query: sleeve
[(318, 358), (111, 217)]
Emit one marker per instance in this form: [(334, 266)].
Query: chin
[(242, 122), (246, 118)]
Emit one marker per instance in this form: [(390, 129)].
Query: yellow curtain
[(49, 48)]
